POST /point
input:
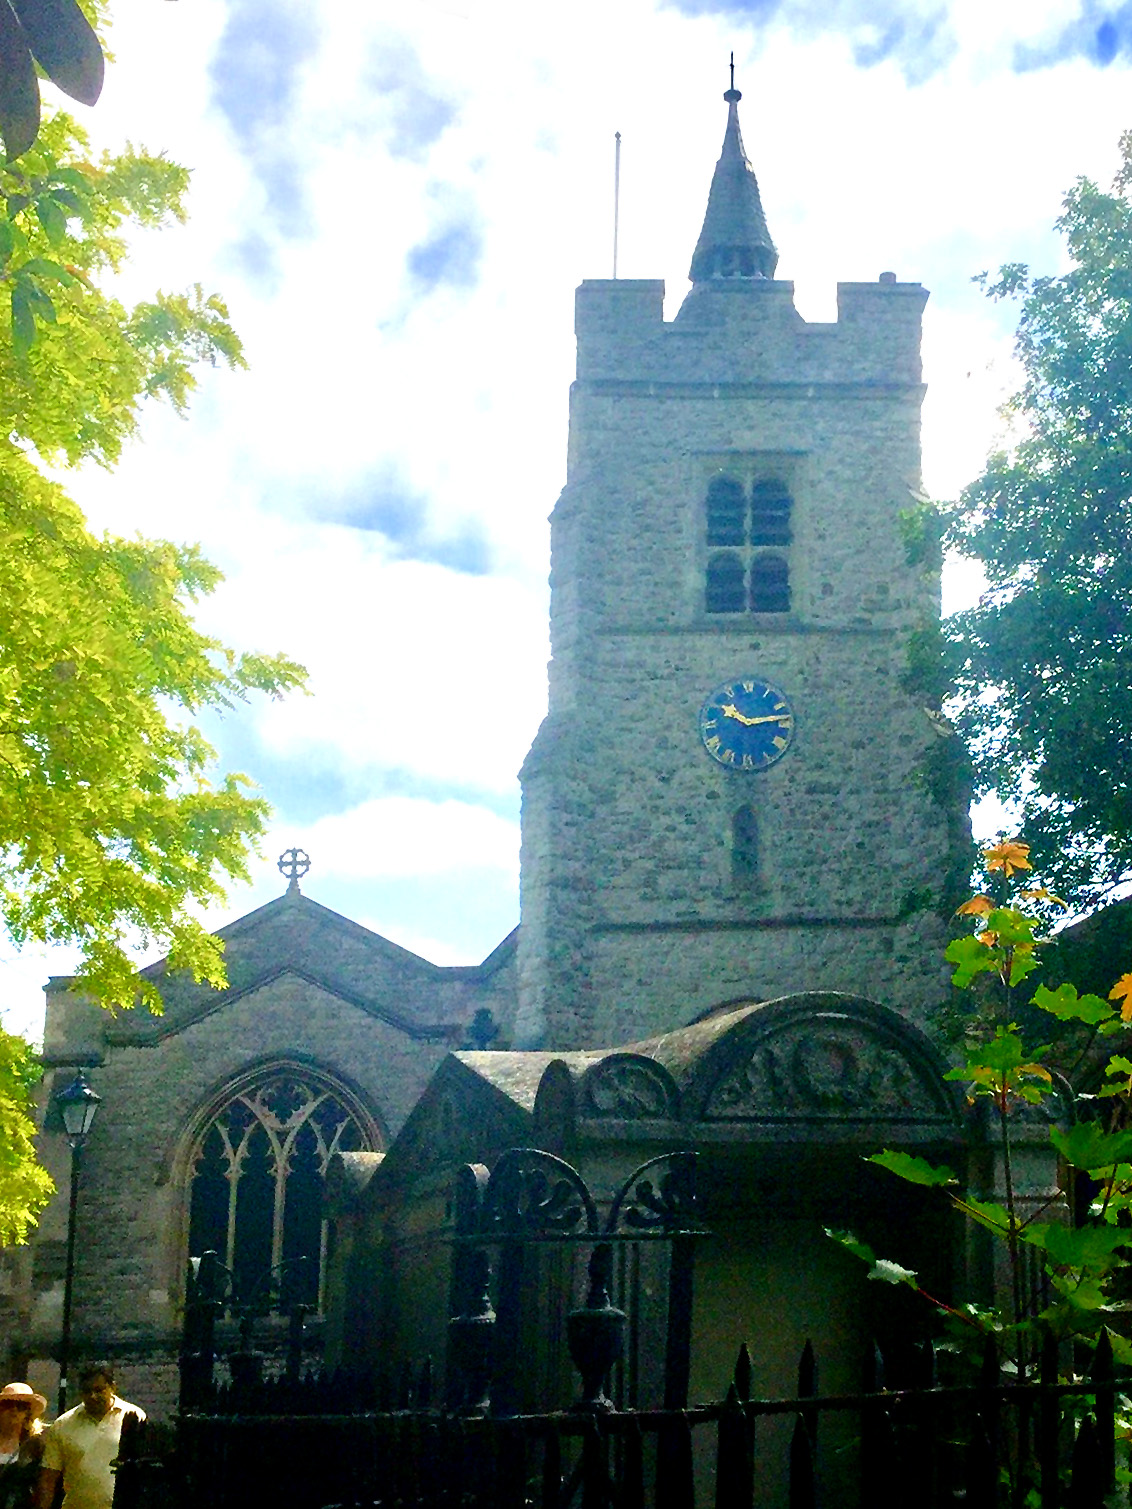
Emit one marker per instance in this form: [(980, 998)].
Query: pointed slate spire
[(734, 242)]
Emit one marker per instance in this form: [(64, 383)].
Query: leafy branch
[(1083, 1263)]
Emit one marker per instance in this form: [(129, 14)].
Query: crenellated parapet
[(748, 334)]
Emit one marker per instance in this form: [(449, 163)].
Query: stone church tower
[(728, 797)]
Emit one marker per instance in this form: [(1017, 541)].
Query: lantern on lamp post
[(77, 1105)]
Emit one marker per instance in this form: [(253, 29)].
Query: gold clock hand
[(729, 710)]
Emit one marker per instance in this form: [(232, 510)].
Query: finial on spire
[(293, 863), (734, 245), (732, 96)]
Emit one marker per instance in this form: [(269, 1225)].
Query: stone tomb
[(781, 1100)]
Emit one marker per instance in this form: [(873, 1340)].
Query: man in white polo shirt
[(81, 1445)]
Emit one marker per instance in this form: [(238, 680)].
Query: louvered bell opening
[(726, 512), (770, 584), (724, 587), (771, 504)]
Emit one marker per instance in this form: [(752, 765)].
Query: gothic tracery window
[(743, 575), (258, 1174)]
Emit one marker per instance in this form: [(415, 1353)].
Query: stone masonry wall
[(632, 920), (159, 1077), (132, 1231)]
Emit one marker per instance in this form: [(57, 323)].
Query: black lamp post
[(77, 1106)]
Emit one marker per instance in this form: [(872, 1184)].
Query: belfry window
[(770, 514), (742, 521), (726, 586), (259, 1171), (770, 583), (726, 512)]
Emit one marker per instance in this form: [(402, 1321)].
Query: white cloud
[(395, 837)]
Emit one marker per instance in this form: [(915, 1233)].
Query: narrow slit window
[(725, 583), (726, 512), (744, 845), (770, 584)]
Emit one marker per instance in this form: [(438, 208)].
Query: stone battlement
[(748, 332)]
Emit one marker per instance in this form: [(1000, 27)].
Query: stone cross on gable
[(293, 863)]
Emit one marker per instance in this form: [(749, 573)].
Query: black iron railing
[(361, 1441), (993, 1444)]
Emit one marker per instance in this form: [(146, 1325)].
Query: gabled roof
[(295, 936), (464, 1115)]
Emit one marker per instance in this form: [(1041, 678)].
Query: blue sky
[(398, 203)]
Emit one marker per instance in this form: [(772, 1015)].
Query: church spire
[(734, 242)]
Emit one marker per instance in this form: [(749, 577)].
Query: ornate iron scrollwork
[(531, 1194), (531, 1197), (664, 1206)]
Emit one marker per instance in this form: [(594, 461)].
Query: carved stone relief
[(628, 1089), (835, 1069)]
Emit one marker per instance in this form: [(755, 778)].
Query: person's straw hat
[(23, 1393)]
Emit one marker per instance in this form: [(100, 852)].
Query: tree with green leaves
[(113, 830), (25, 1187), (1043, 664)]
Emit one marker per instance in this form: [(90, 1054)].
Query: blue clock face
[(747, 724)]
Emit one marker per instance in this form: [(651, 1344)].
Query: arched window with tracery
[(258, 1174)]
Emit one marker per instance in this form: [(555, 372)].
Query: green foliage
[(25, 1187), (1001, 1069), (925, 674), (109, 825), (1118, 1071), (112, 830), (1043, 665), (914, 1170), (970, 959), (1013, 932), (74, 364), (921, 535), (1087, 1264), (1067, 1006), (883, 1270), (1088, 1146)]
